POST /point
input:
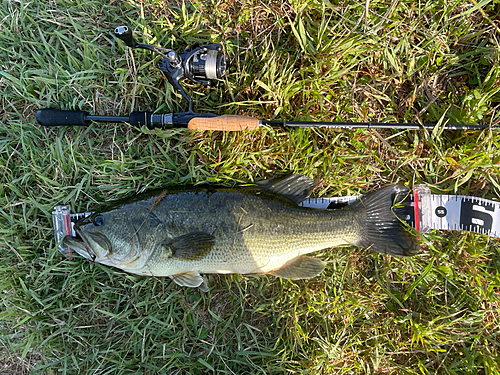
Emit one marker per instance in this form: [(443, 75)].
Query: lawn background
[(427, 61)]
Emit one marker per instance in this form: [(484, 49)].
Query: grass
[(428, 61)]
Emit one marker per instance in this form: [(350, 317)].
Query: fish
[(184, 232)]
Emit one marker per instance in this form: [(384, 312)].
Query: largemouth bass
[(183, 232)]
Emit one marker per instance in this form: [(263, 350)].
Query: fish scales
[(253, 233)]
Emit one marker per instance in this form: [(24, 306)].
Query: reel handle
[(125, 34)]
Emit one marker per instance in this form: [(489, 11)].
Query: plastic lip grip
[(63, 221), (61, 218)]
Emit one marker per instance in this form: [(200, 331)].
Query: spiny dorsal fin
[(191, 279), (298, 268), (297, 187), (190, 246)]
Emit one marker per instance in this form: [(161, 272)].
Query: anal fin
[(191, 279), (302, 267)]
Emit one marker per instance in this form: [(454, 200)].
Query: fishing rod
[(203, 64), (209, 121)]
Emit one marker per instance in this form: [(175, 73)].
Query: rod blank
[(368, 125)]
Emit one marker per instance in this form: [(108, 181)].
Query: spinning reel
[(203, 64)]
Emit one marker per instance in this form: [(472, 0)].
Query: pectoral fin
[(190, 246), (298, 268), (191, 279)]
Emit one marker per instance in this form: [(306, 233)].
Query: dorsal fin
[(297, 187)]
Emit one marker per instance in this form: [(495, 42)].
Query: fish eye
[(98, 220)]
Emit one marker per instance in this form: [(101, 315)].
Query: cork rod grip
[(224, 123)]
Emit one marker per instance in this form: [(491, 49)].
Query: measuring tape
[(424, 212)]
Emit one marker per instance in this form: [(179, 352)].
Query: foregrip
[(224, 123)]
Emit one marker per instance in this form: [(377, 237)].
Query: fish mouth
[(80, 246), (85, 242)]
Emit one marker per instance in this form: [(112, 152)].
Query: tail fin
[(382, 230)]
